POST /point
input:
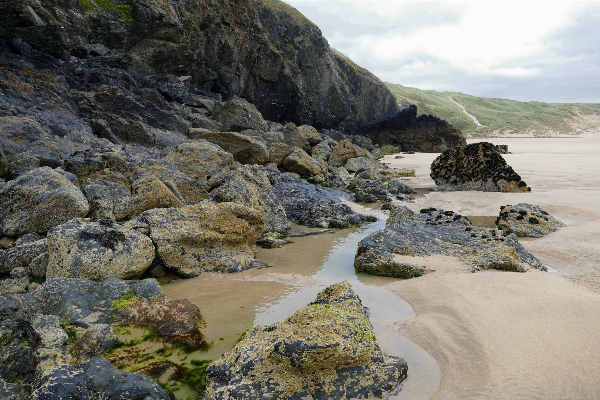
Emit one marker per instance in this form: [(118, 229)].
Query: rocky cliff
[(264, 51)]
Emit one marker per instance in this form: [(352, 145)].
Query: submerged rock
[(38, 200), (477, 166), (205, 237), (434, 231), (325, 350), (526, 220)]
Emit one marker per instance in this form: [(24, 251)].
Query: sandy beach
[(503, 335), (494, 335)]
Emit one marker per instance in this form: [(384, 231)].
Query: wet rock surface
[(526, 220), (477, 166), (434, 231), (325, 350)]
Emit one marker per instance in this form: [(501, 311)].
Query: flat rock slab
[(526, 220), (432, 232), (325, 350)]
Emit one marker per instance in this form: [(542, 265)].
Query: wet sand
[(504, 335)]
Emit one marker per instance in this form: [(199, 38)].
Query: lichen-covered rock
[(396, 186), (187, 190), (293, 138), (250, 186), (96, 340), (344, 151), (434, 231), (385, 175), (206, 237), (38, 200), (369, 191), (202, 161), (237, 115), (325, 350), (13, 391), (301, 163), (95, 251), (307, 204), (18, 341), (526, 220), (245, 149), (147, 192), (21, 256), (477, 166), (362, 163), (310, 134), (95, 379), (398, 214)]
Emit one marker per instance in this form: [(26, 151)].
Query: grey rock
[(325, 350), (245, 149), (477, 166), (28, 238), (398, 214), (91, 250), (21, 256), (369, 191), (434, 231), (293, 138), (39, 200), (526, 220), (18, 341), (97, 378), (250, 186), (13, 391), (49, 330), (21, 163), (18, 285), (362, 163), (237, 115), (396, 186)]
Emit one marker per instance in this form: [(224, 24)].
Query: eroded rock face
[(250, 186), (205, 237), (424, 133), (526, 220), (97, 378), (434, 231), (97, 251), (477, 166), (39, 200), (325, 350)]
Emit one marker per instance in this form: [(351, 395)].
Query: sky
[(528, 51)]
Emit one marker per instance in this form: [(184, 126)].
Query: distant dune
[(501, 117)]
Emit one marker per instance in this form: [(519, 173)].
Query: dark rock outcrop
[(307, 204), (424, 133), (434, 231), (369, 191), (325, 350), (526, 220), (477, 166)]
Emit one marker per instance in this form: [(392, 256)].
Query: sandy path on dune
[(503, 335)]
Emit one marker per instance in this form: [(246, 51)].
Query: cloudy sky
[(539, 50)]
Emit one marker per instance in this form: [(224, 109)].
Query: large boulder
[(189, 191), (237, 115), (410, 132), (398, 214), (369, 191), (95, 379), (324, 350), (202, 161), (307, 204), (526, 220), (275, 142), (310, 134), (477, 166), (90, 250), (147, 192), (294, 138), (250, 186), (362, 163), (39, 200), (32, 257), (301, 163), (344, 151), (438, 232), (245, 149), (205, 237)]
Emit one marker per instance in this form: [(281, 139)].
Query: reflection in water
[(384, 308)]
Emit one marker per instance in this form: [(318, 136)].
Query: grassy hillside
[(501, 116)]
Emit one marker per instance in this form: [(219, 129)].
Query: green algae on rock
[(326, 350)]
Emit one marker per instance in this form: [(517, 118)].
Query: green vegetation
[(123, 302), (387, 150), (348, 61), (124, 9), (279, 7), (498, 115)]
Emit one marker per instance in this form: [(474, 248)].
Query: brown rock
[(147, 192), (301, 163), (244, 149)]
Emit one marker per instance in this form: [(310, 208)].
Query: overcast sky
[(544, 51)]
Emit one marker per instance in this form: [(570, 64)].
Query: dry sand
[(504, 335)]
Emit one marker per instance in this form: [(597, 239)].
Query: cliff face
[(264, 51), (424, 133)]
